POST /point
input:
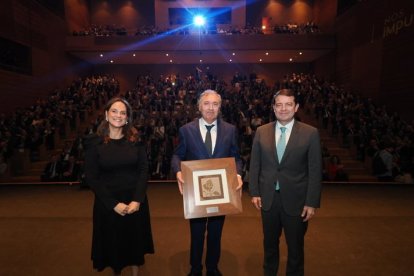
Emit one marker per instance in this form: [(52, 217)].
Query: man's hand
[(239, 182), (180, 182), (257, 202), (308, 213)]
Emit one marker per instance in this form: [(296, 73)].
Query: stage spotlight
[(199, 20)]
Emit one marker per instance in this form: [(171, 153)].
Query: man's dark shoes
[(195, 274), (215, 272)]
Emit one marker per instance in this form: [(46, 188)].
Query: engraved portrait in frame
[(210, 188)]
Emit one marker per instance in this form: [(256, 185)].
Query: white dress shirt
[(202, 125), (288, 131)]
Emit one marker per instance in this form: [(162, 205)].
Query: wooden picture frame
[(210, 188)]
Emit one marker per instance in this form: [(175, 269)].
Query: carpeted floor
[(360, 230)]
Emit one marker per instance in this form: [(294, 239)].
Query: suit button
[(278, 170)]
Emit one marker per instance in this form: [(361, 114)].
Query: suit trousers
[(198, 227), (274, 220)]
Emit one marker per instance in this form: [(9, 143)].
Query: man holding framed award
[(208, 137)]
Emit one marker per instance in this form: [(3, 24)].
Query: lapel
[(293, 140), (272, 140), (197, 132), (219, 137)]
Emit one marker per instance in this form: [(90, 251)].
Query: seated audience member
[(385, 154), (335, 170), (372, 148), (405, 178), (53, 170), (71, 170), (3, 165)]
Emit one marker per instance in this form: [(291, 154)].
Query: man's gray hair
[(208, 92)]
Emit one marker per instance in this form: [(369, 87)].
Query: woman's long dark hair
[(128, 130)]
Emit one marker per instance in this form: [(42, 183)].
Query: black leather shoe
[(195, 274), (215, 272)]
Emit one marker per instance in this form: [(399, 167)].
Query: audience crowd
[(101, 30), (162, 104), (28, 129), (293, 28), (224, 29), (359, 123)]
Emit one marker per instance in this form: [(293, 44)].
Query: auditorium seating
[(161, 105)]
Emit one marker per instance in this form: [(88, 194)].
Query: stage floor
[(359, 230)]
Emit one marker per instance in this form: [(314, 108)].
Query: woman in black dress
[(116, 169)]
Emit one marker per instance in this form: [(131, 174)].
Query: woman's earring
[(126, 122), (107, 119)]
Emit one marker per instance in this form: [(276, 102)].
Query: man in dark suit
[(204, 138), (53, 170), (285, 182)]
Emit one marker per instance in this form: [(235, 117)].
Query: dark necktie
[(207, 141)]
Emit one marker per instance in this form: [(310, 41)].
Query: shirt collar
[(288, 126), (203, 123)]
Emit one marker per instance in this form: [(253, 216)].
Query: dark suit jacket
[(46, 175), (191, 145), (299, 172)]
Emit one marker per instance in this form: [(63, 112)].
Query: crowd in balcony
[(293, 28), (102, 31), (225, 29)]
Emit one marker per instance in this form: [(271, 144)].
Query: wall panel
[(374, 54), (34, 26)]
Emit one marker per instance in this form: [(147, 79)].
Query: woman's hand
[(133, 207), (121, 209)]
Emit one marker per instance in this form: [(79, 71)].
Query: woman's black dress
[(117, 172)]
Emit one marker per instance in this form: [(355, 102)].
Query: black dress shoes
[(215, 272)]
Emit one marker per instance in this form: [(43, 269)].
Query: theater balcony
[(206, 48)]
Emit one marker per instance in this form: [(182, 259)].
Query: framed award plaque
[(210, 188)]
